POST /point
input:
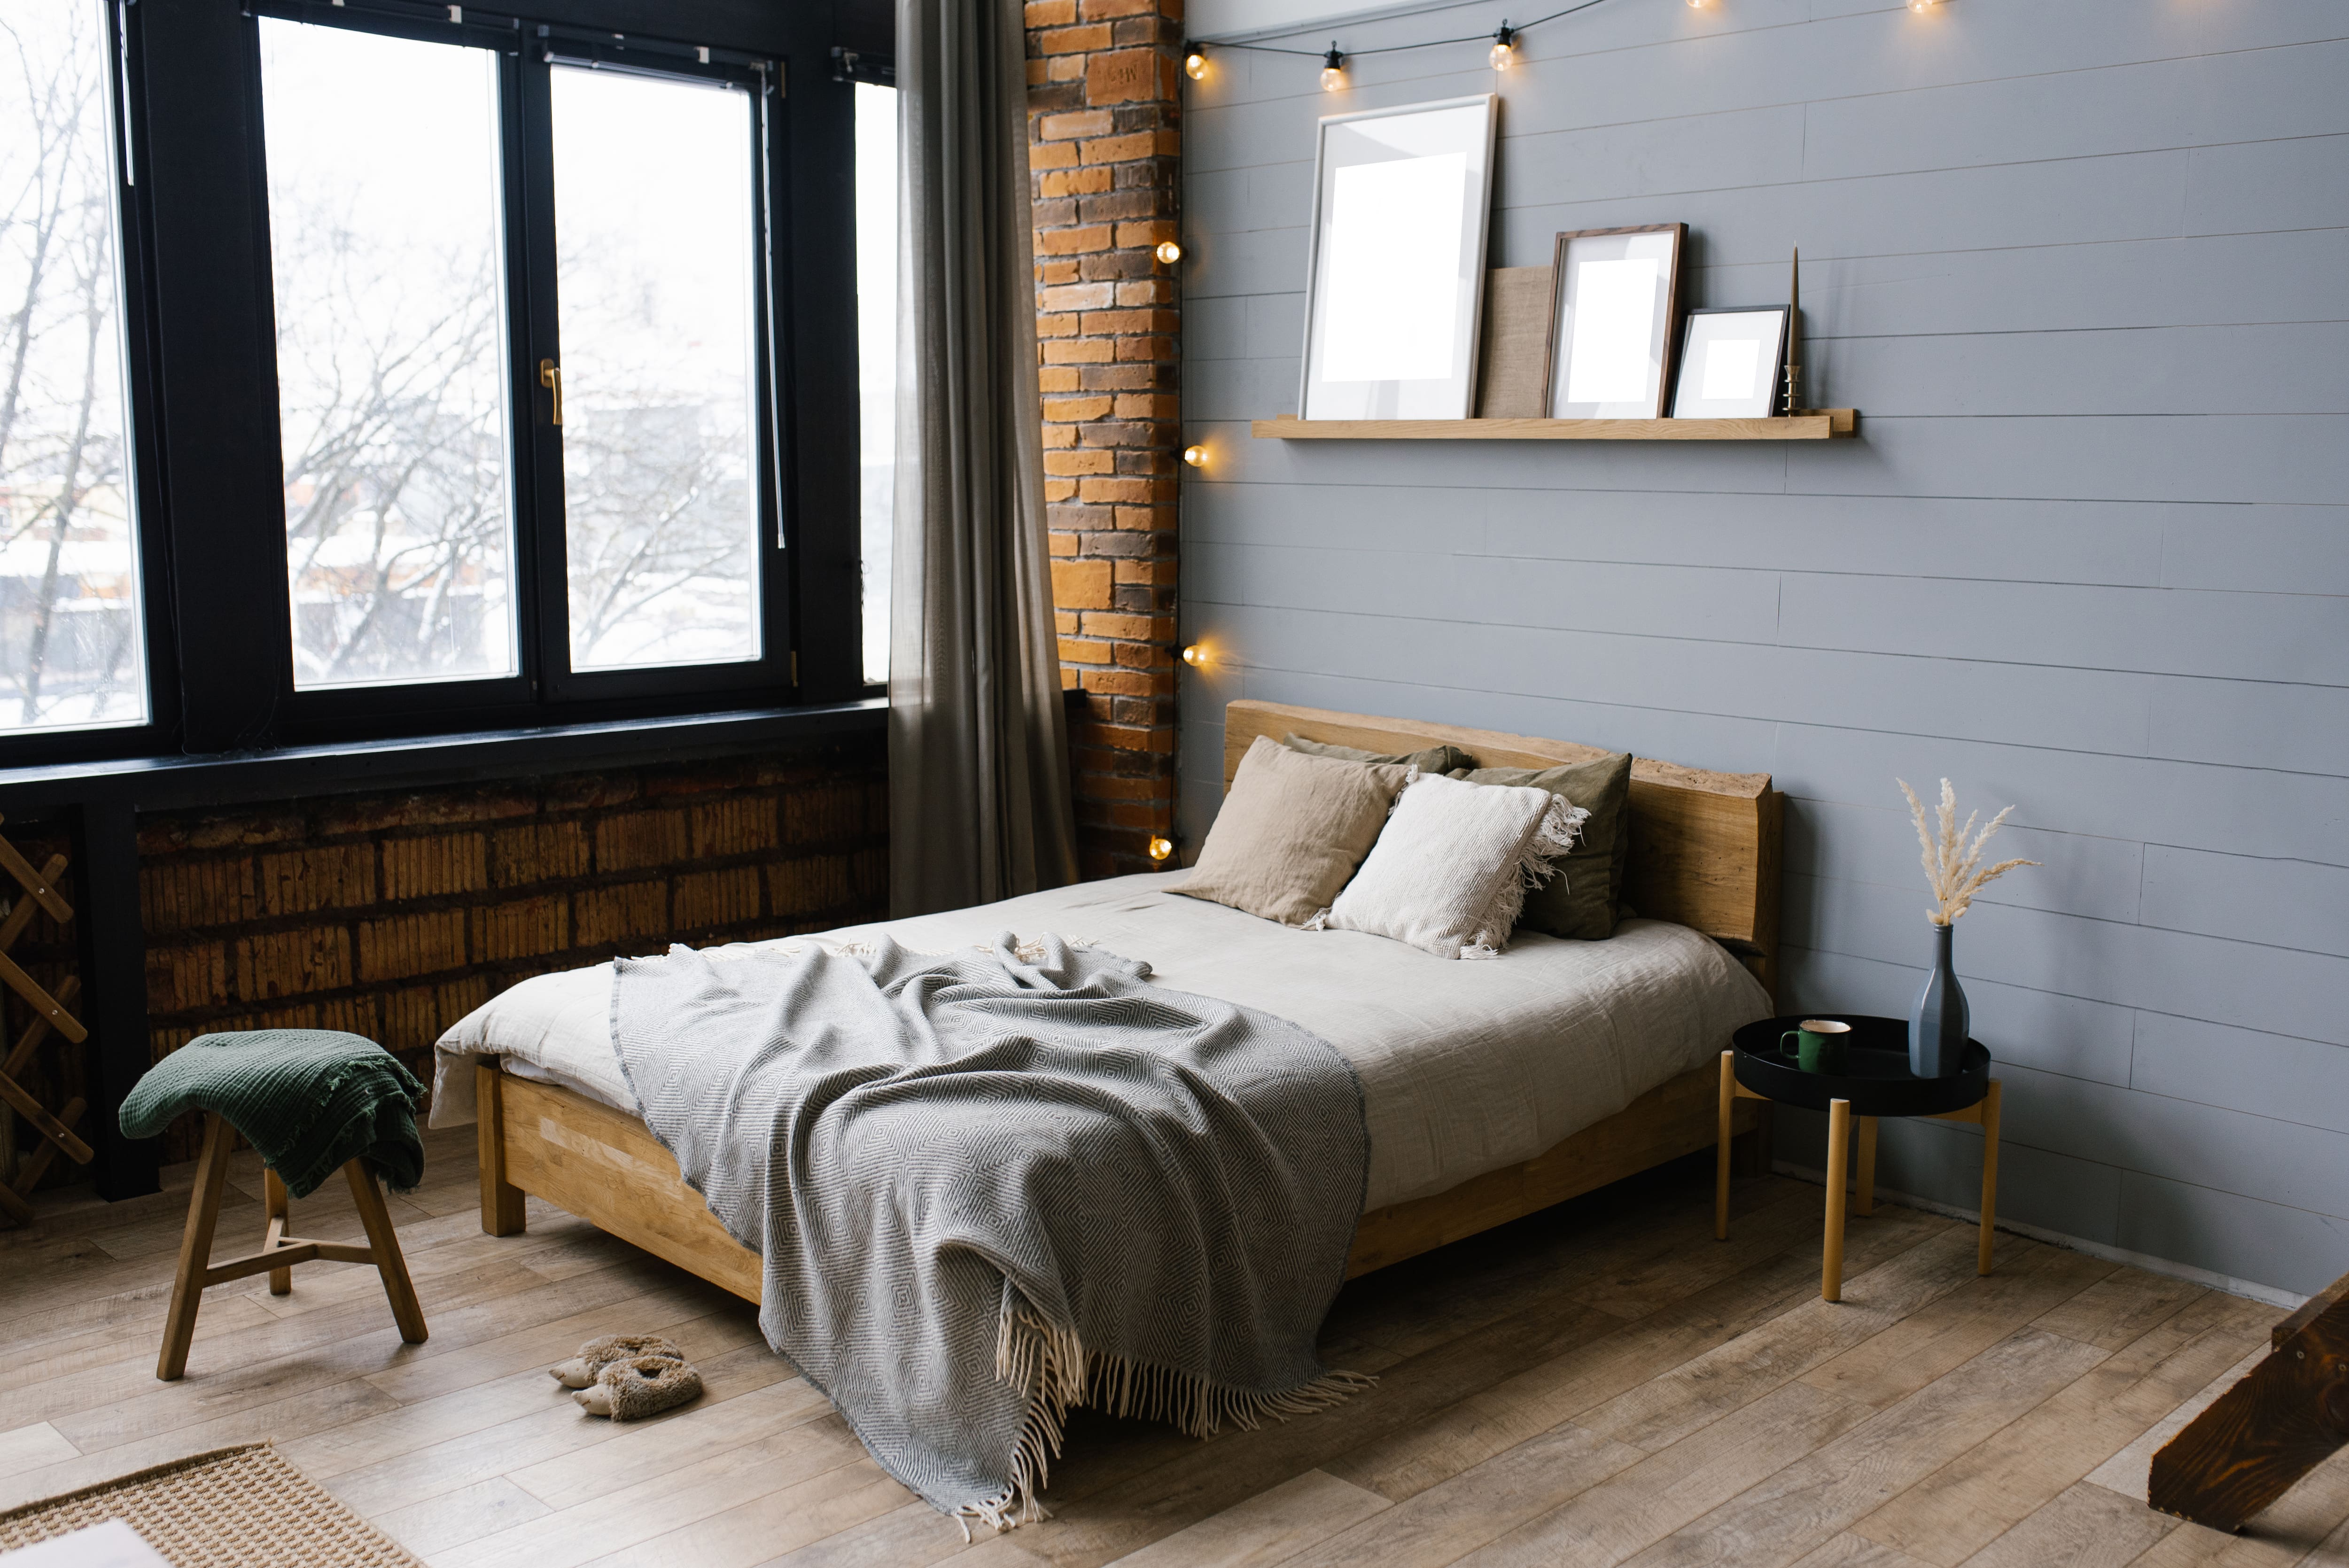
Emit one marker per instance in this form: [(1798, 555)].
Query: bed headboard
[(1705, 845)]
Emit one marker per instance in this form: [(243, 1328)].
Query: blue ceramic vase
[(1937, 1024)]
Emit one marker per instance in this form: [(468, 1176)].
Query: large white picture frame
[(1395, 275)]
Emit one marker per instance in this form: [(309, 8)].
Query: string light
[(1920, 6), (1500, 51), (1195, 456), (1168, 251), (1161, 847), (1196, 656)]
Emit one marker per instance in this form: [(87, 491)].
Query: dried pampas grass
[(1953, 867)]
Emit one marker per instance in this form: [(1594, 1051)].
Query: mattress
[(1467, 1066)]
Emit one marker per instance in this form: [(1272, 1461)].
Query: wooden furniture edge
[(2283, 1418), (604, 1166), (1707, 845), (1809, 425)]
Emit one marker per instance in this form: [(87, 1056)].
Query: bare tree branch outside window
[(70, 653)]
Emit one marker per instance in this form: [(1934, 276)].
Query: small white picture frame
[(1732, 363), (1395, 275), (1614, 296)]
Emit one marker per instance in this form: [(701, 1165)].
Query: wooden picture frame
[(1394, 271), (1762, 370), (1610, 350)]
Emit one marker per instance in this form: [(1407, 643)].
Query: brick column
[(1104, 112)]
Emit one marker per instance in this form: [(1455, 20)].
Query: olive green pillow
[(1580, 901), (1435, 760)]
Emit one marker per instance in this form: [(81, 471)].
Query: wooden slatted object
[(279, 1251), (51, 1016), (2287, 1416)]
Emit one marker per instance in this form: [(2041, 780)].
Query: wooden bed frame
[(1704, 854)]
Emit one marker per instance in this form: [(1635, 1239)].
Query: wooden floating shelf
[(1811, 425)]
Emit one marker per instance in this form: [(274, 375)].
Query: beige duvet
[(1465, 1067)]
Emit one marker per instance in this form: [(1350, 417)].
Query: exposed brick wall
[(394, 915), (1104, 123)]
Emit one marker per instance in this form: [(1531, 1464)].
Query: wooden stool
[(279, 1251)]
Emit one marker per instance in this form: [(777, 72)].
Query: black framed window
[(73, 653), (522, 286), (452, 370)]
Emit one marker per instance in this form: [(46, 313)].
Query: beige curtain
[(978, 749)]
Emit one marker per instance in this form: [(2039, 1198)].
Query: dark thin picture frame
[(1671, 322), (1776, 395)]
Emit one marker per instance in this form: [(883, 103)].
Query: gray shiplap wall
[(2083, 269)]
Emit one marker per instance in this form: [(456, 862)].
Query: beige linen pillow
[(1291, 831), (1450, 872)]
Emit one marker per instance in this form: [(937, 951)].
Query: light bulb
[(1504, 47), (1195, 456), (1160, 848), (1195, 64), (1696, 4), (1169, 251), (1333, 70), (1196, 656), (1920, 6)]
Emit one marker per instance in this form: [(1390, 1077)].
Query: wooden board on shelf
[(1811, 425)]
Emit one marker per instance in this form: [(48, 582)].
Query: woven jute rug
[(233, 1508)]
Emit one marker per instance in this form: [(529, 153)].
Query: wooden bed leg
[(501, 1206), (1721, 1151), (1838, 1151), (2263, 1434)]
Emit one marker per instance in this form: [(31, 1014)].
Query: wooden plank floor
[(1601, 1383)]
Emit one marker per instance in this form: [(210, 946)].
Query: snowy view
[(386, 230), (70, 645)]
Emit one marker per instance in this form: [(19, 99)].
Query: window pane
[(876, 354), (71, 654), (383, 227), (654, 253)]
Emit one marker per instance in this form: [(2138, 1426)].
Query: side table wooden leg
[(1838, 1147), (1721, 1154), (277, 1206), (384, 1242), (1865, 1203), (1990, 1176), (195, 1249)]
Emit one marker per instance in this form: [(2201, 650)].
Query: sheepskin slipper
[(597, 1354), (638, 1387)]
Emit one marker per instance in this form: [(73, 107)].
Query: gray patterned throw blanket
[(986, 1186)]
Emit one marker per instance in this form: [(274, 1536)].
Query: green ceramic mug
[(1819, 1045)]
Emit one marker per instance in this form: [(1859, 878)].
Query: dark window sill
[(166, 783)]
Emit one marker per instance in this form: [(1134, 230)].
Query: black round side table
[(1876, 1081)]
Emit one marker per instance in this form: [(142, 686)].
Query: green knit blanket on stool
[(308, 1100)]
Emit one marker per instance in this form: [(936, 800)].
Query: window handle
[(550, 375)]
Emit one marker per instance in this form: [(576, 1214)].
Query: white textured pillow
[(1451, 868)]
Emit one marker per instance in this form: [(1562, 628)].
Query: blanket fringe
[(1054, 1366)]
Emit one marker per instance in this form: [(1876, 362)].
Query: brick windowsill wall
[(1104, 117)]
